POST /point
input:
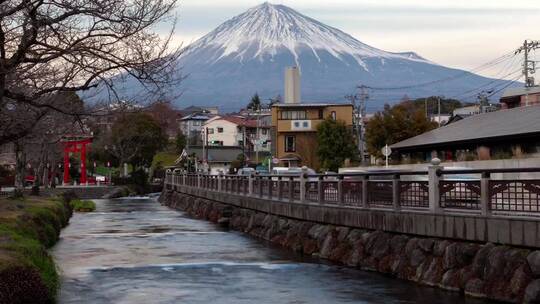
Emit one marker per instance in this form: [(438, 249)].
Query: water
[(136, 251)]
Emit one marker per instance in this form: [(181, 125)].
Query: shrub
[(83, 205)]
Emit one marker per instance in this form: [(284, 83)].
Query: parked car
[(296, 172), (245, 171)]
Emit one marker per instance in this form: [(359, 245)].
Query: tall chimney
[(292, 85)]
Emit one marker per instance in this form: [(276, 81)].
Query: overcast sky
[(456, 33)]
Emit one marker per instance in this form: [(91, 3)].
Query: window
[(305, 124), (290, 143), (220, 130), (321, 114), (333, 115), (291, 115), (297, 124), (196, 123), (210, 130)]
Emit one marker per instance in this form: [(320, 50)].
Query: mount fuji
[(250, 52)]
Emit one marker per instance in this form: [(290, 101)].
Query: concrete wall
[(510, 231), (484, 270)]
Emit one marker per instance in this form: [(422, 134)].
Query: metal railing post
[(303, 179), (279, 188), (395, 192), (365, 181), (199, 181), (341, 194), (260, 186), (184, 177), (250, 185), (485, 194), (320, 191), (434, 191), (270, 187), (219, 181), (291, 188)]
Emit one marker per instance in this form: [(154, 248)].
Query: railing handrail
[(435, 194), (441, 172)]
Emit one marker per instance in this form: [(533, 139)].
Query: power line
[(489, 64)]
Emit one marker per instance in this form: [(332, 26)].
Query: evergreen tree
[(335, 144), (255, 103), (180, 142)]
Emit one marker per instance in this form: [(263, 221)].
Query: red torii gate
[(75, 144)]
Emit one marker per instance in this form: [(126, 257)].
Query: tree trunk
[(20, 161)]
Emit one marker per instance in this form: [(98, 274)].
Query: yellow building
[(294, 127)]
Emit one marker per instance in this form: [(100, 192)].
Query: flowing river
[(137, 251)]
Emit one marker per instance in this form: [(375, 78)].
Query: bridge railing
[(437, 190)]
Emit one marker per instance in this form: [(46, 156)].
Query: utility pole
[(359, 114), (439, 106), (529, 66), (425, 105), (257, 137)]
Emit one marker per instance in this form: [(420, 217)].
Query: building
[(218, 158), (192, 125), (294, 127), (251, 134), (195, 109), (520, 97), (294, 124), (504, 134), (473, 110)]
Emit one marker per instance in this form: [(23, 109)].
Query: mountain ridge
[(249, 52)]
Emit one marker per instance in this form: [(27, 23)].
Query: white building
[(191, 125), (473, 110), (251, 134)]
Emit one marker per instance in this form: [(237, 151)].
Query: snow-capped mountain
[(268, 30), (249, 53)]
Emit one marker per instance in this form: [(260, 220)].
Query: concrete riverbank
[(485, 270)]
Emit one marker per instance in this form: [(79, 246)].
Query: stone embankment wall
[(481, 270)]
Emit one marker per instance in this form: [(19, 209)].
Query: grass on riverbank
[(83, 205), (27, 228)]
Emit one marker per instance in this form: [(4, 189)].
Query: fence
[(437, 190)]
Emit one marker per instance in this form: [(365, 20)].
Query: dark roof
[(514, 92), (520, 121), (241, 121), (197, 116), (216, 154)]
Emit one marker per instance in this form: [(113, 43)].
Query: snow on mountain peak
[(267, 29)]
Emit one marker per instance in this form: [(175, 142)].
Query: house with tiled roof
[(504, 134), (249, 133)]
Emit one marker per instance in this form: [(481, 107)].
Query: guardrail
[(437, 190)]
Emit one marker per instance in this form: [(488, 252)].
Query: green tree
[(135, 138), (180, 142), (431, 104), (395, 124), (335, 144), (255, 103)]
